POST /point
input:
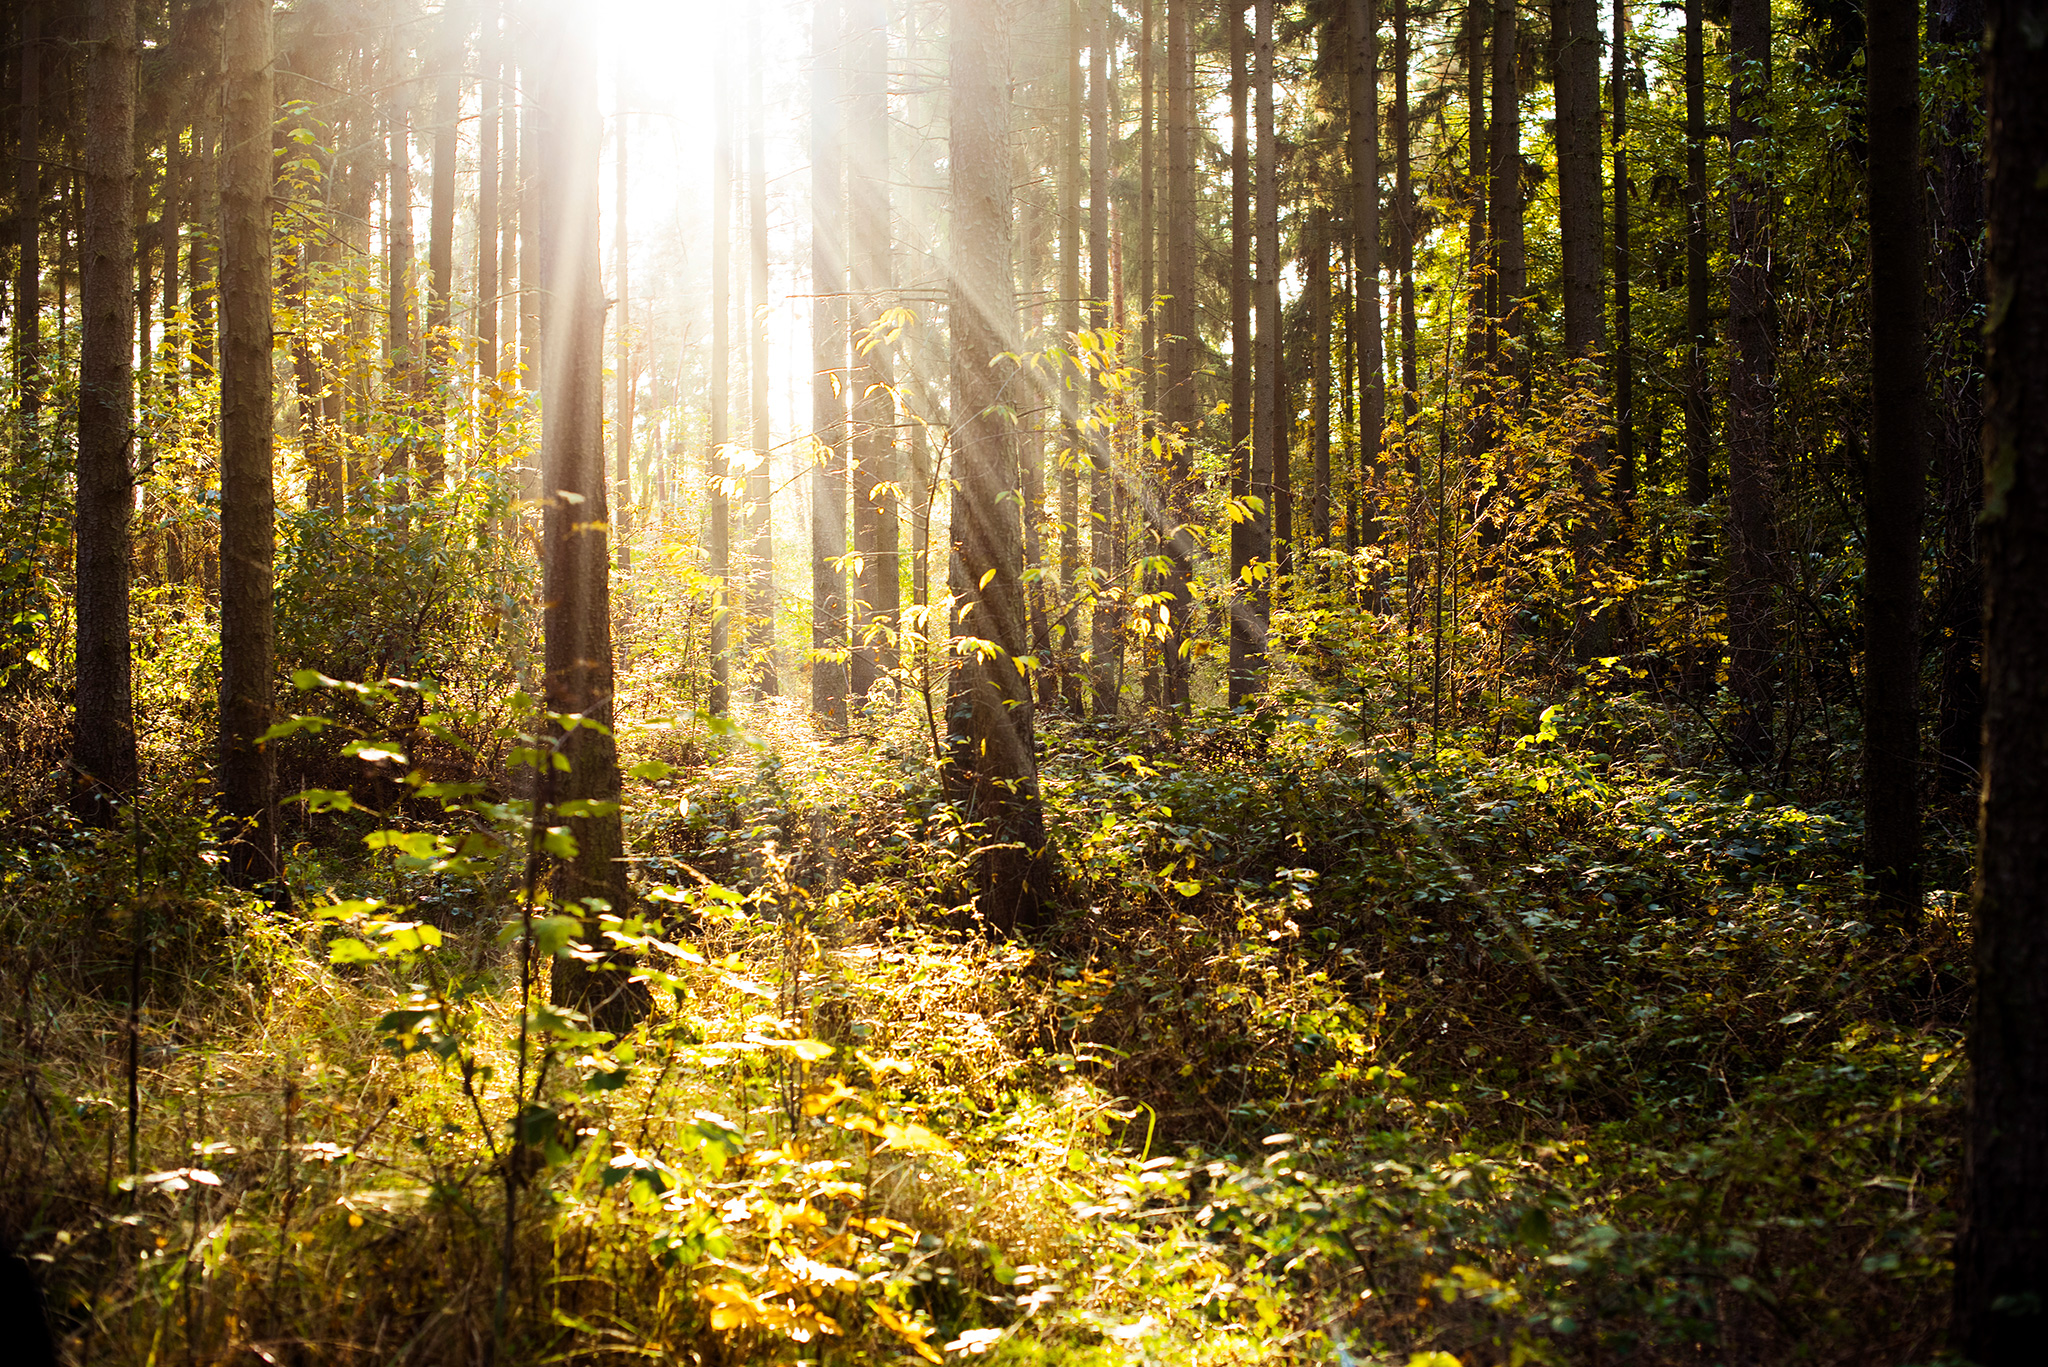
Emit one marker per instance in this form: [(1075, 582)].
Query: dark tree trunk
[(1103, 632), (760, 481), (1898, 438), (1178, 400), (874, 441), (1956, 432), (991, 768), (1318, 289), (829, 373), (1752, 389), (401, 360), (247, 500), (1624, 327), (28, 204), (1367, 339), (575, 562), (1251, 613), (1504, 209), (717, 456), (1585, 321), (2001, 1306), (1242, 533), (103, 729), (1699, 402)]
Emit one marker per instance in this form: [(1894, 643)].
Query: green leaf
[(324, 799), (585, 807), (553, 934), (559, 843), (651, 770), (350, 952), (374, 751)]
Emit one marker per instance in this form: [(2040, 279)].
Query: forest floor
[(1564, 1046)]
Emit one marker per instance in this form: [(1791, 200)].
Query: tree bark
[(1242, 356), (1073, 246), (441, 246), (1898, 436), (1752, 389), (28, 202), (1103, 632), (1317, 288), (829, 373), (876, 468), (1699, 401), (1585, 321), (575, 563), (1252, 609), (247, 501), (991, 769), (717, 456), (622, 330), (487, 205), (401, 359), (1956, 432), (1368, 345), (1178, 400), (103, 727), (760, 480), (1623, 363), (2001, 1289)]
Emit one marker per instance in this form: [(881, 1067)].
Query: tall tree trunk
[(1898, 438), (1178, 406), (876, 468), (28, 204), (2001, 1289), (1368, 348), (1752, 388), (1073, 245), (717, 457), (1577, 23), (1956, 432), (1504, 207), (487, 206), (622, 325), (1698, 381), (1479, 283), (532, 340), (103, 727), (829, 374), (247, 501), (401, 360), (760, 481), (1103, 630), (991, 769), (512, 342), (575, 564), (1242, 533), (1404, 269), (1252, 612), (1317, 288), (1624, 329), (441, 245)]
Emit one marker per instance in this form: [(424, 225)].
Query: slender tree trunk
[(1178, 404), (991, 769), (487, 206), (1752, 388), (1478, 21), (1504, 209), (876, 467), (511, 202), (1368, 348), (761, 596), (103, 727), (2001, 1290), (1958, 296), (829, 373), (401, 361), (1318, 289), (1898, 436), (1073, 245), (717, 458), (575, 565), (1404, 228), (1252, 612), (247, 502), (1242, 533), (441, 246), (1623, 363), (28, 202), (1585, 323), (1699, 402), (622, 328), (1104, 632), (532, 340)]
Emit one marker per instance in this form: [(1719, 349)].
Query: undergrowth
[(1512, 1050)]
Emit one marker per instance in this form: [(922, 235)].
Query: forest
[(1028, 681)]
